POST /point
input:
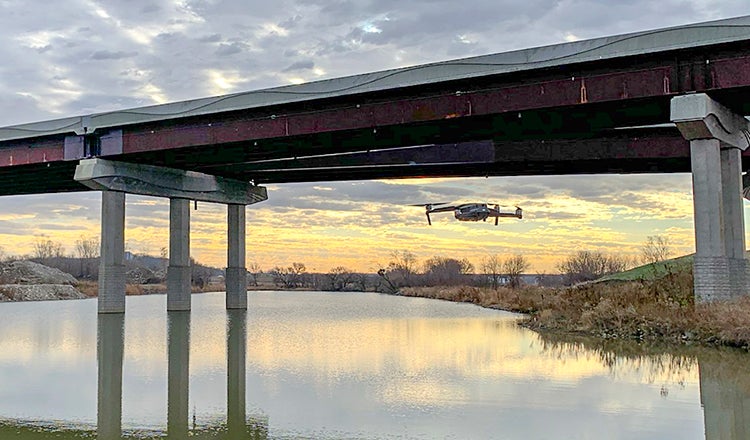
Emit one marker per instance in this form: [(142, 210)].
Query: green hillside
[(651, 271)]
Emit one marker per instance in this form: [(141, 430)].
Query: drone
[(471, 212)]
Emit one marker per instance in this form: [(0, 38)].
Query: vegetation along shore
[(659, 307)]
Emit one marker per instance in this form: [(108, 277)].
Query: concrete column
[(711, 265), (733, 217), (717, 135), (110, 347), (111, 266), (236, 386), (236, 275), (179, 272), (178, 373)]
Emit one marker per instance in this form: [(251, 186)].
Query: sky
[(87, 56)]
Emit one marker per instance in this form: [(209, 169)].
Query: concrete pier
[(179, 270), (717, 136), (115, 179), (236, 278), (111, 266)]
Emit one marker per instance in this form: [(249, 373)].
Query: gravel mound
[(29, 272), (25, 280), (38, 292)]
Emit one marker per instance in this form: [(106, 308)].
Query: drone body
[(471, 212)]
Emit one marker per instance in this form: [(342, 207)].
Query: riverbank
[(653, 310)]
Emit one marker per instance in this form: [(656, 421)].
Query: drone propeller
[(430, 205)]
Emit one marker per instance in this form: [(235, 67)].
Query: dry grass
[(88, 288), (91, 288), (657, 310)]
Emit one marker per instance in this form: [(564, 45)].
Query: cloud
[(300, 65), (72, 60), (100, 55)]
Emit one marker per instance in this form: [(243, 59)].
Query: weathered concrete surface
[(25, 280)]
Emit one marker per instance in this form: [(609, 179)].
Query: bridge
[(666, 100)]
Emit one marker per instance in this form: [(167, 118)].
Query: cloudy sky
[(86, 56)]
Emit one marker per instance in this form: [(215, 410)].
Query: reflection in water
[(725, 394), (363, 366), (178, 373), (110, 348), (724, 375), (110, 361), (236, 342)]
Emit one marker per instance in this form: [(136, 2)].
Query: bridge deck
[(567, 108)]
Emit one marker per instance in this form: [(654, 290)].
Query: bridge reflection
[(110, 355)]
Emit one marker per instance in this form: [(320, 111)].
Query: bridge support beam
[(236, 275), (179, 270), (112, 266), (717, 136)]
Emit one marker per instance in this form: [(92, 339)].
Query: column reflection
[(725, 394), (110, 346), (178, 373), (236, 343)]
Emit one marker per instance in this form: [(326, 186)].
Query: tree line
[(405, 270), (402, 270)]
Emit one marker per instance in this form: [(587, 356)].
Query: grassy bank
[(660, 309)]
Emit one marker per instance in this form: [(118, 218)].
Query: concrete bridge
[(667, 100)]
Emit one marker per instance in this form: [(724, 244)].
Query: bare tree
[(514, 267), (491, 267), (87, 247), (446, 271), (657, 248), (45, 248), (253, 270), (87, 250), (340, 278), (589, 265), (289, 277), (402, 268)]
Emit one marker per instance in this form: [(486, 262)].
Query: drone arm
[(497, 214)]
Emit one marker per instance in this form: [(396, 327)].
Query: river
[(347, 366)]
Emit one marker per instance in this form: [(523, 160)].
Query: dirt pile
[(25, 280)]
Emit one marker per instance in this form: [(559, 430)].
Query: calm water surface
[(345, 366)]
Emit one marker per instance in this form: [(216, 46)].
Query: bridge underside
[(646, 150), (611, 116)]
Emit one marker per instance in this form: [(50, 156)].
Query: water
[(346, 366)]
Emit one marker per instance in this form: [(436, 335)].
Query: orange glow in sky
[(360, 224)]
